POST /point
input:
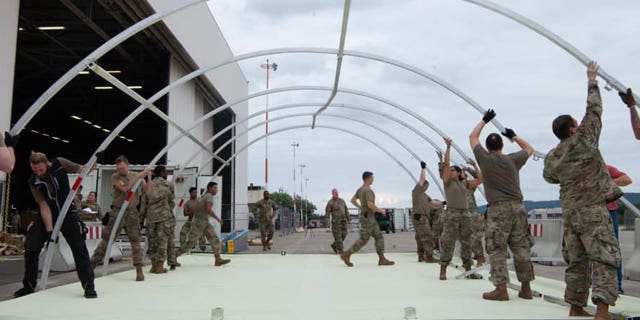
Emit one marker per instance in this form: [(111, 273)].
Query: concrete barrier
[(63, 257), (238, 243), (632, 267), (547, 234)]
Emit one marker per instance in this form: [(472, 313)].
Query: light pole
[(306, 200), (301, 193), (295, 145), (268, 66)]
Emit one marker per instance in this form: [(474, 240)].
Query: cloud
[(498, 63)]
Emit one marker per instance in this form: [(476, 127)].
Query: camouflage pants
[(131, 224), (171, 253), (339, 230), (507, 228), (478, 235), (202, 242), (436, 225), (589, 240), (200, 228), (158, 234), (457, 226), (369, 228), (424, 236), (267, 228)]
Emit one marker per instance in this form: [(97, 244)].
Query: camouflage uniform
[(477, 223), (436, 221), (368, 225), (191, 206), (588, 237), (420, 217), (457, 224), (200, 226), (130, 222), (265, 212), (91, 217), (506, 221), (158, 211), (339, 213)]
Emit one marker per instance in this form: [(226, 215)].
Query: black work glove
[(49, 238), (423, 164), (10, 140), (509, 133), (100, 156), (489, 115), (627, 98)]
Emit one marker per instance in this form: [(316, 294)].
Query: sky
[(495, 61)]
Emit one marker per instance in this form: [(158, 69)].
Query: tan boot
[(576, 311), (443, 272), (499, 294), (525, 291), (602, 312), (383, 261), (480, 260), (139, 274), (346, 256), (219, 261), (431, 259), (158, 268)]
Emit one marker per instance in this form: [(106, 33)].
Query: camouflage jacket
[(576, 163), (265, 210), (159, 202), (337, 210)]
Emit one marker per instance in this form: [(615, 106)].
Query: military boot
[(383, 261), (525, 291), (499, 294), (602, 312), (577, 311), (158, 268), (264, 245), (431, 259), (346, 257), (219, 261), (333, 247), (474, 275), (443, 272), (420, 256), (269, 244), (139, 274), (480, 260)]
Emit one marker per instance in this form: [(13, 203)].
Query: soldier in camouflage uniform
[(201, 226), (365, 200), (91, 204), (507, 225), (457, 222), (158, 203), (189, 209), (436, 215), (420, 218), (477, 220), (123, 181), (338, 213), (265, 211), (589, 244)]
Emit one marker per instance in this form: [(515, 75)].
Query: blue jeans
[(614, 219)]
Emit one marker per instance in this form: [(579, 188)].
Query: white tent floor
[(271, 286)]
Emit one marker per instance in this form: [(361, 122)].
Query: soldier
[(7, 154), (436, 215), (420, 218), (49, 185), (200, 226), (265, 212), (506, 217), (92, 205), (477, 220), (158, 203), (123, 181), (458, 221), (630, 102), (338, 213), (589, 244), (189, 209), (365, 200)]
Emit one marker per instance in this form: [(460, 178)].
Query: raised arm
[(591, 125), (630, 102), (125, 187), (474, 136), (423, 172), (478, 178), (446, 173)]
